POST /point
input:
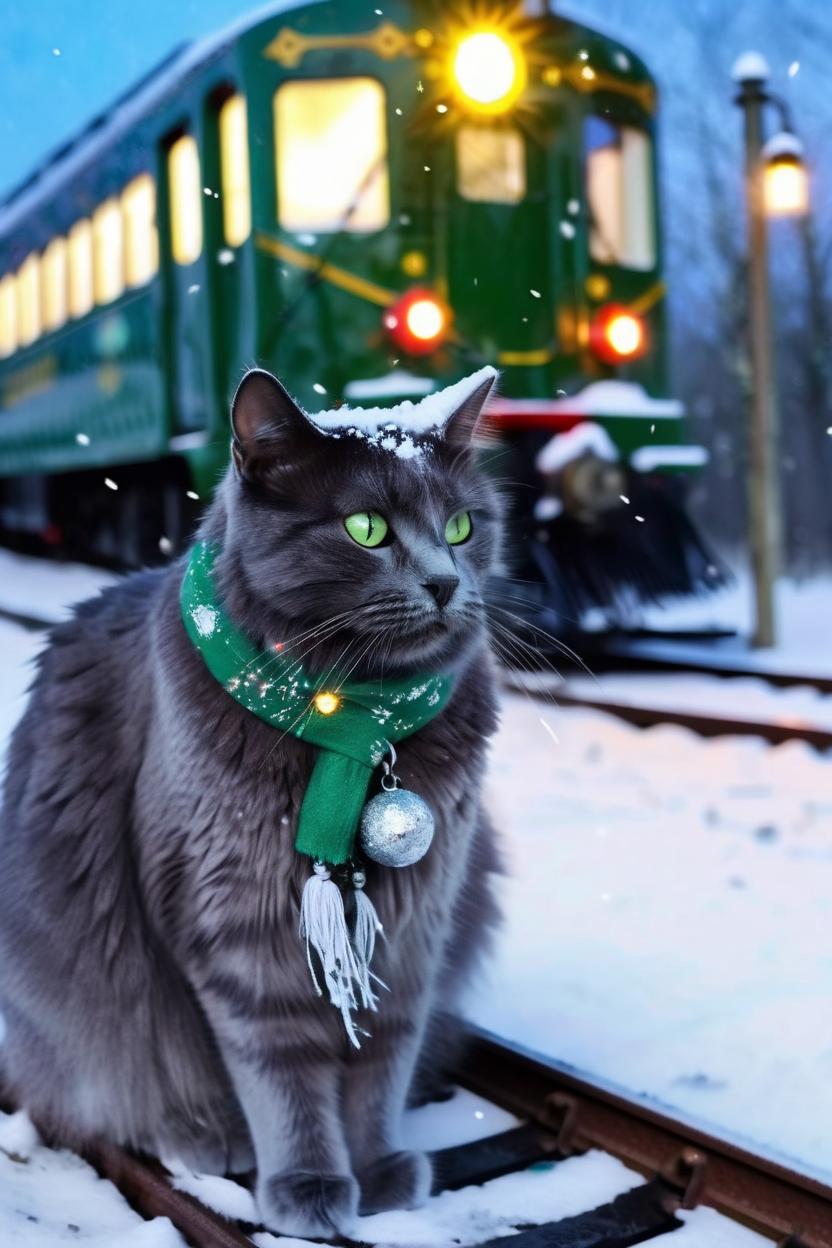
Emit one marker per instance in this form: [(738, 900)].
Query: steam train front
[(482, 188)]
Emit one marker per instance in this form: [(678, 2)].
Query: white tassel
[(367, 928), (323, 926)]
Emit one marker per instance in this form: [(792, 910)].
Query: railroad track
[(563, 1116), (718, 657), (776, 731), (32, 623), (777, 728)]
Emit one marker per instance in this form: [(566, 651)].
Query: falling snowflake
[(205, 620), (83, 439)]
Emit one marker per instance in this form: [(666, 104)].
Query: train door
[(500, 265), (186, 295)]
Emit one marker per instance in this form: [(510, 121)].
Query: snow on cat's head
[(406, 429), (272, 431)]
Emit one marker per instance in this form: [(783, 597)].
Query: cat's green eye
[(367, 528), (458, 529)]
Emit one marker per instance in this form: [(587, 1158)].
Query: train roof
[(107, 127), (155, 88)]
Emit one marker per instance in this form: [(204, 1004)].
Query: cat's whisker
[(565, 650)]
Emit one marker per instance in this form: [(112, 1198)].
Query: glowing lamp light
[(617, 335), (785, 180), (489, 71), (326, 703), (418, 322)]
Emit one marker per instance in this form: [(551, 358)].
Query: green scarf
[(352, 738)]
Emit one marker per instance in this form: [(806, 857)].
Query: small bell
[(396, 825)]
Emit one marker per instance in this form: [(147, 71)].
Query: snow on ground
[(475, 1215), (17, 650), (667, 918), (53, 1197), (45, 588), (804, 609)]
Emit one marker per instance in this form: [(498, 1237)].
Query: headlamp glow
[(489, 71)]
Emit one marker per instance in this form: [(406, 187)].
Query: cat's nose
[(442, 588)]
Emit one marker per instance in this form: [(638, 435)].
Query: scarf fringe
[(345, 957), (366, 930), (323, 925)]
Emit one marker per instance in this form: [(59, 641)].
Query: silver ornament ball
[(396, 828)]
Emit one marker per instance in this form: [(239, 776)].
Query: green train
[(370, 203)]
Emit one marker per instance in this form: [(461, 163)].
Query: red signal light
[(418, 322), (616, 334)]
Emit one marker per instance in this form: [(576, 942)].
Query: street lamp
[(785, 180), (776, 185)]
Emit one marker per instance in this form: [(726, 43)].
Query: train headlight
[(418, 322), (489, 71), (617, 335)]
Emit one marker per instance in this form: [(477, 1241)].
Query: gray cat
[(153, 985)]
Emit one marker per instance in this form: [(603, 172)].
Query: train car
[(370, 203)]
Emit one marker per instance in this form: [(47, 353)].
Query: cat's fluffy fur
[(153, 985)]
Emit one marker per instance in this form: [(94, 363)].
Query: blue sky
[(103, 46)]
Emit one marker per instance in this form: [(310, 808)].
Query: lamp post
[(775, 184)]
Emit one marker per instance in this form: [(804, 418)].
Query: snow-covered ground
[(803, 612), (668, 913), (50, 1197), (47, 588)]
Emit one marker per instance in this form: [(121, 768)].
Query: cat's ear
[(463, 422), (265, 421)]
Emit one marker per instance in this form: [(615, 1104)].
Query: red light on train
[(418, 322), (617, 334)]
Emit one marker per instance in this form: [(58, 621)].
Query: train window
[(619, 187), (491, 164), (185, 200), (28, 300), (236, 189), (54, 284), (80, 268), (141, 240), (8, 316), (108, 259), (331, 155)]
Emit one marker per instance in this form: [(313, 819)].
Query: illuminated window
[(28, 300), (54, 284), (141, 241), (331, 155), (619, 187), (108, 258), (236, 188), (80, 268), (8, 316), (185, 200), (491, 164)]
